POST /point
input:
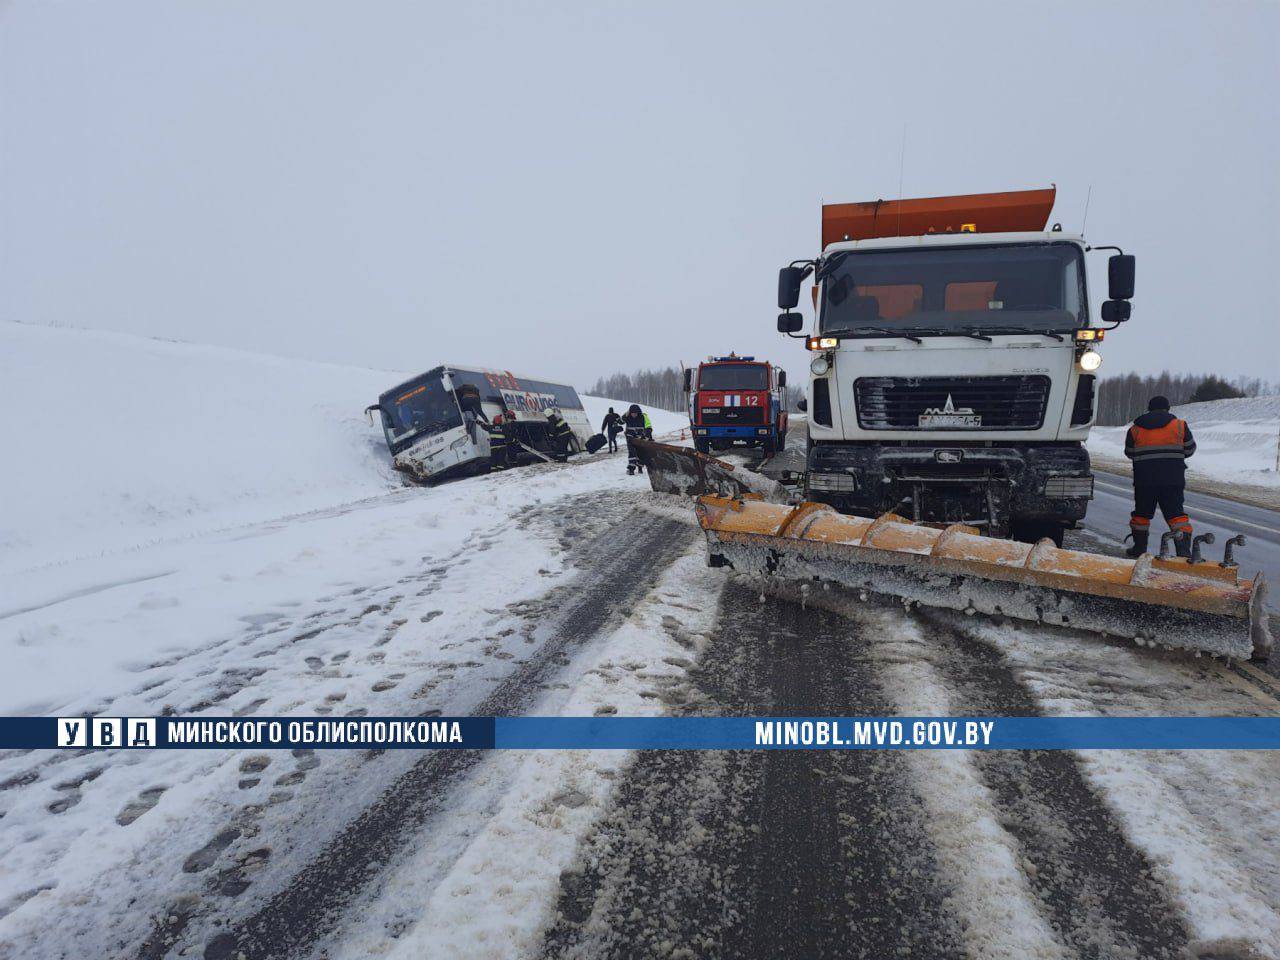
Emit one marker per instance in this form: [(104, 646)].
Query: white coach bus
[(433, 422)]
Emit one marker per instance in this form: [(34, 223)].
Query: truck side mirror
[(803, 404), (782, 379), (1116, 311), (790, 322), (789, 280), (1120, 276), (688, 379)]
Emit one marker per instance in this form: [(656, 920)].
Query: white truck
[(953, 361)]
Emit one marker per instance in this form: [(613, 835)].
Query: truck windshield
[(1027, 287), (418, 407), (733, 376)]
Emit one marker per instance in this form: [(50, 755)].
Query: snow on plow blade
[(691, 474), (1173, 603)]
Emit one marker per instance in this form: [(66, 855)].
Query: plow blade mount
[(691, 474), (1172, 603)]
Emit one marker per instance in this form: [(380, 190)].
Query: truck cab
[(953, 362), (737, 401)]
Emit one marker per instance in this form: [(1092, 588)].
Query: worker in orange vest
[(1159, 443)]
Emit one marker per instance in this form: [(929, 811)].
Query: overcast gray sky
[(571, 189)]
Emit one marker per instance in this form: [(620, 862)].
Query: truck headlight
[(820, 365), (1090, 360)]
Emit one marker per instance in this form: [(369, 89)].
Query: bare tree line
[(1120, 399), (663, 389)]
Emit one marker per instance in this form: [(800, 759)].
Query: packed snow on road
[(197, 531)]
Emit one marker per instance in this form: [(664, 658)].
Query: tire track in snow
[(1096, 887), (735, 854), (289, 922)]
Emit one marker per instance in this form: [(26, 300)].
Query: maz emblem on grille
[(949, 416)]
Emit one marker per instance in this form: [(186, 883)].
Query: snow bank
[(1235, 439), (666, 425), (119, 441)]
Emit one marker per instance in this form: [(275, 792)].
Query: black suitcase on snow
[(595, 443)]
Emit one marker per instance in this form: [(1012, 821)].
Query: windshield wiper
[(947, 332), (888, 333), (1031, 331), (829, 265), (977, 334)]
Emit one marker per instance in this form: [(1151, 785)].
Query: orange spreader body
[(1012, 212)]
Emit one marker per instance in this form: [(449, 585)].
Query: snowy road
[(1021, 854)]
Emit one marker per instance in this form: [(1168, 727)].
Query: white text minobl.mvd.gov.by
[(873, 733)]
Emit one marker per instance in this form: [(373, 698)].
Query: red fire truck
[(737, 400)]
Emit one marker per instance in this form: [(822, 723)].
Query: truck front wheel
[(702, 446), (1032, 531)]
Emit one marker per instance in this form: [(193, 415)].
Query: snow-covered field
[(115, 442), (145, 462), (262, 560), (1235, 440)]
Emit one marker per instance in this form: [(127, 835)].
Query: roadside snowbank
[(1235, 440), (121, 441)]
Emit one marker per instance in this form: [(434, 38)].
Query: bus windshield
[(949, 290), (733, 376), (418, 407)]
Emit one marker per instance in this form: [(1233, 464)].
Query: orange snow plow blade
[(1171, 603)]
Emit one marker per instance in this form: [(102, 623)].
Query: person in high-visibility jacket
[(499, 443), (560, 433), (635, 425), (1159, 443)]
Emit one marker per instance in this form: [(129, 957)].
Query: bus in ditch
[(435, 423)]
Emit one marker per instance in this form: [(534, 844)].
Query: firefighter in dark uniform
[(560, 433), (635, 425), (612, 425), (498, 443), (1159, 443)]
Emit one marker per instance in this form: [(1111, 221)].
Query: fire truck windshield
[(962, 289), (420, 406), (733, 376)]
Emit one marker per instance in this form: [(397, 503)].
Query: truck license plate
[(950, 420)]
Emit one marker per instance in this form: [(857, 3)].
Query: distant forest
[(1123, 398), (1120, 398), (663, 389)]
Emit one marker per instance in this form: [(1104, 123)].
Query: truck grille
[(998, 403), (731, 416)]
